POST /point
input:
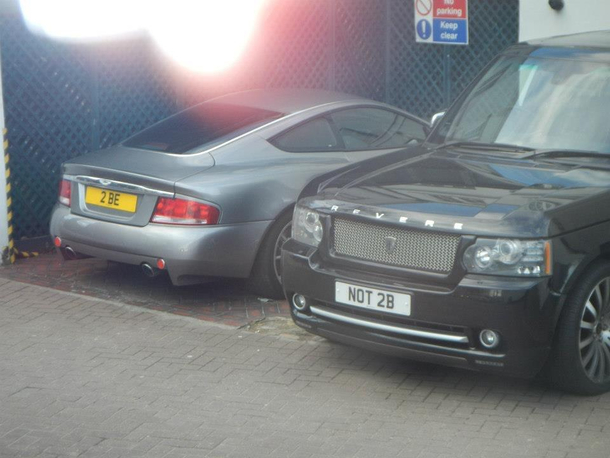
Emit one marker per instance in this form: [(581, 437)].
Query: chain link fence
[(65, 100)]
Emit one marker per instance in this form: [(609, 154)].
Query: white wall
[(537, 19)]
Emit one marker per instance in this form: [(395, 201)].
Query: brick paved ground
[(84, 377), (227, 302)]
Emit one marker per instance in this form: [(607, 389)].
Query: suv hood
[(146, 168), (477, 194)]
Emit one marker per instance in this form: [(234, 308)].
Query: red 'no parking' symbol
[(423, 6)]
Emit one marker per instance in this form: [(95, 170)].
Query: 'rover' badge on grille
[(390, 244)]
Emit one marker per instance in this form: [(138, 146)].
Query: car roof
[(287, 100), (588, 40)]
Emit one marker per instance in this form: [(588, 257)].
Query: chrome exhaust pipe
[(70, 253), (149, 270)]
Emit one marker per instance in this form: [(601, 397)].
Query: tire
[(266, 275), (580, 358)]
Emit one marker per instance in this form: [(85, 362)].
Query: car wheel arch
[(287, 209), (572, 302), (587, 264)]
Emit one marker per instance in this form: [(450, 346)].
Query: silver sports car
[(209, 192)]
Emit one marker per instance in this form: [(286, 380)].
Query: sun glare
[(201, 35), (82, 20), (209, 35)]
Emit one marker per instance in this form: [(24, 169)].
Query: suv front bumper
[(444, 323)]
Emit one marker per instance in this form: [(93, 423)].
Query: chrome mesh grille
[(422, 250)]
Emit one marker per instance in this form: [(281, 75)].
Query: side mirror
[(436, 118)]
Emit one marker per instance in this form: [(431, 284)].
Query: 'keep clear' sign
[(441, 21)]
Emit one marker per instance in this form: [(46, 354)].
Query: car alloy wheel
[(277, 250), (594, 342), (580, 357)]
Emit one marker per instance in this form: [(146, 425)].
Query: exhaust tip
[(70, 253), (149, 270)]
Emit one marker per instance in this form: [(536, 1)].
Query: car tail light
[(181, 211), (65, 192)]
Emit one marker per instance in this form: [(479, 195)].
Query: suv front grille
[(414, 249)]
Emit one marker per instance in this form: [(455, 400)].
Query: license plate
[(111, 199), (373, 299)]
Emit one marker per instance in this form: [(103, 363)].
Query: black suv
[(489, 246)]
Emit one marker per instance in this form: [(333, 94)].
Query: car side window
[(375, 128), (315, 135)]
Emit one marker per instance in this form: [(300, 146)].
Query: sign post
[(441, 21)]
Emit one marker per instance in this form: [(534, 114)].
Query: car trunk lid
[(122, 184)]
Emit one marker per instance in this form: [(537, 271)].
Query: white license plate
[(373, 299)]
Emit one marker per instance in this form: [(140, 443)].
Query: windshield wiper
[(565, 153), (505, 147)]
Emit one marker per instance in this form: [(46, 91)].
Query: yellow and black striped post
[(9, 255), (24, 254)]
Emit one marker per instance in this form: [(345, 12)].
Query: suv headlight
[(307, 227), (520, 258)]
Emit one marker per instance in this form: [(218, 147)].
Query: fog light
[(56, 242), (160, 264), (489, 339), (299, 302)]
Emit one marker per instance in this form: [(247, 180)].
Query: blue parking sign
[(451, 31), (442, 22)]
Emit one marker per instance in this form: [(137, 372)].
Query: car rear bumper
[(445, 322), (189, 252)]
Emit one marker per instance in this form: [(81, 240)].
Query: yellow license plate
[(111, 199)]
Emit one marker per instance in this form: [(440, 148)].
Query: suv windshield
[(537, 102), (202, 125)]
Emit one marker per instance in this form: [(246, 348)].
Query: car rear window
[(202, 125)]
